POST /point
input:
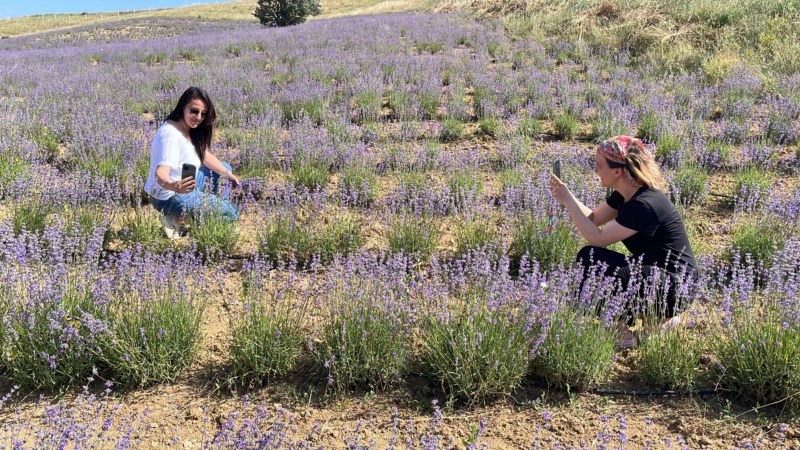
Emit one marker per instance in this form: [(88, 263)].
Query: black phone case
[(557, 168), (188, 170)]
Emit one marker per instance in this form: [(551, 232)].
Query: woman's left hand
[(559, 190), (234, 179)]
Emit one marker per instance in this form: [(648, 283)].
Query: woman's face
[(607, 174), (194, 113)]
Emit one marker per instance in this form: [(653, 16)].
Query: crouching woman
[(184, 139), (639, 214)]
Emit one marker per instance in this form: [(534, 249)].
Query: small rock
[(705, 441), (793, 433), (195, 413), (188, 444)]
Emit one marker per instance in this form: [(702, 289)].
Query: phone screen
[(557, 168)]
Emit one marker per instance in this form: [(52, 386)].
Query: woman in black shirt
[(639, 214)]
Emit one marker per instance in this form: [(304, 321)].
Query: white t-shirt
[(169, 148)]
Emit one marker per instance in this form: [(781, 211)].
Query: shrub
[(30, 215), (478, 234), (670, 360), (284, 238), (464, 186), (340, 236), (12, 168), (668, 149), (151, 340), (364, 340), (752, 186), (760, 358), (758, 239), (451, 130), (367, 106), (47, 141), (529, 126), (142, 227), (214, 234), (429, 102), (312, 175), (778, 129), (413, 235), (49, 343), (281, 13), (690, 185), (490, 126), (715, 154), (359, 186), (648, 129), (577, 351), (479, 345), (536, 239), (267, 338), (293, 110), (566, 126)]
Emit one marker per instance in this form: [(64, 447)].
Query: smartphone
[(557, 168), (188, 171)]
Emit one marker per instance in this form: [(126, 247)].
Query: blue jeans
[(194, 202)]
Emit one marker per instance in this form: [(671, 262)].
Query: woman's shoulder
[(168, 131)]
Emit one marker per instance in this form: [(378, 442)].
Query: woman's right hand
[(559, 190), (185, 185)]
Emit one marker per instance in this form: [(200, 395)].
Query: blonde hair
[(630, 155), (644, 168)]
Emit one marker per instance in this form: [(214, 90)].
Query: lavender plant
[(268, 336), (359, 186), (751, 186), (451, 130), (759, 359), (689, 186), (51, 330), (214, 234), (479, 335), (416, 236), (550, 244), (577, 351), (566, 126), (365, 338), (670, 360), (154, 319)]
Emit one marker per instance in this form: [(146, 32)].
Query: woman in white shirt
[(185, 138)]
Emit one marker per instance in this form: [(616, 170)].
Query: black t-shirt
[(660, 233)]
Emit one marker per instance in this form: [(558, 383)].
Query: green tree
[(281, 13)]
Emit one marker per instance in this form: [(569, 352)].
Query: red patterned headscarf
[(616, 150)]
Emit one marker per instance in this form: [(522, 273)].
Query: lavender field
[(400, 275)]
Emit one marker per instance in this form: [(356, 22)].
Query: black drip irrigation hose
[(729, 197), (654, 392)]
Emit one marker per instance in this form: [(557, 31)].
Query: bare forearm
[(581, 216), (213, 163)]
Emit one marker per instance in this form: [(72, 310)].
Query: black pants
[(617, 266)]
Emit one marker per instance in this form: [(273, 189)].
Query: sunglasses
[(195, 111)]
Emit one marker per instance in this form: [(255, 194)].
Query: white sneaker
[(670, 324), (171, 227)]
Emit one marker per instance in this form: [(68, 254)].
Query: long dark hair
[(200, 136)]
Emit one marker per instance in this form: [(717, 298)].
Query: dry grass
[(241, 10)]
